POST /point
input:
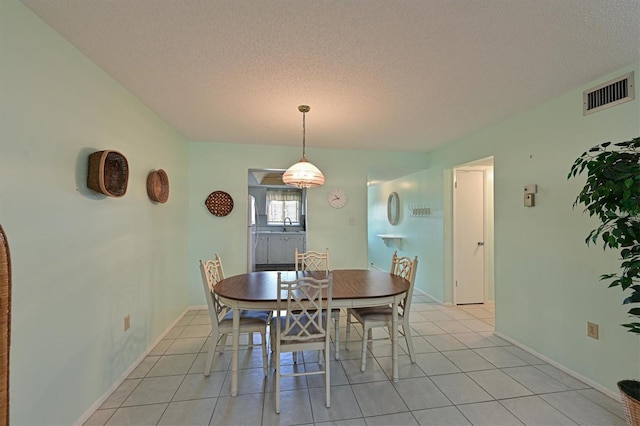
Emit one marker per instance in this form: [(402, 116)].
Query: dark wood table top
[(347, 284)]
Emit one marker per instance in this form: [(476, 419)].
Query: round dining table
[(352, 288)]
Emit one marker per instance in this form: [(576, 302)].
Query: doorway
[(276, 221), (473, 233)]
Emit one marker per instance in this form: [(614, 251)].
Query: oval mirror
[(393, 208)]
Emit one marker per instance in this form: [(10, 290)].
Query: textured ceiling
[(402, 75)]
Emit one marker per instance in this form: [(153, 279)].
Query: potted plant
[(612, 194)]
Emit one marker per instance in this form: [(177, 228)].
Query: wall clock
[(337, 198)]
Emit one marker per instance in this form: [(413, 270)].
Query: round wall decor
[(158, 186), (219, 203)]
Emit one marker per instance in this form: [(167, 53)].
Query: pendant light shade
[(303, 174)]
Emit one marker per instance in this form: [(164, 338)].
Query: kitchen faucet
[(284, 225)]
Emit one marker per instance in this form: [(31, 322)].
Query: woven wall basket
[(158, 186), (108, 173), (5, 326)]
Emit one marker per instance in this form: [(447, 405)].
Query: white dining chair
[(221, 277), (382, 316), (222, 316), (319, 261), (303, 327)]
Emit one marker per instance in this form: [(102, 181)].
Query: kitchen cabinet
[(262, 250), (282, 247), (278, 248)]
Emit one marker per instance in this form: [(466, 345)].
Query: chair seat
[(301, 343), (249, 320), (377, 313), (263, 316), (333, 311)]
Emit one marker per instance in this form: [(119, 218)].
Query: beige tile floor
[(463, 375)]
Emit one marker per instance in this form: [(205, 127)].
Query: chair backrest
[(312, 260), (304, 305), (406, 268), (219, 266), (212, 273)]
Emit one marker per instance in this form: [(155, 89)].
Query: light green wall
[(421, 236), (80, 261), (546, 278), (219, 166)]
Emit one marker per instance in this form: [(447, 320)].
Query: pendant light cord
[(303, 134)]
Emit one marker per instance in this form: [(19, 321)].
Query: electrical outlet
[(127, 322), (592, 330)]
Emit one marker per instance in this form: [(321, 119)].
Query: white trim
[(85, 416), (597, 386)]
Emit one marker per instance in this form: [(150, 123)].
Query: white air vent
[(611, 93)]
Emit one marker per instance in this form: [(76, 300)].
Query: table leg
[(235, 343), (394, 340)]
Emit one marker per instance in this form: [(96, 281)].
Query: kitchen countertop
[(283, 232)]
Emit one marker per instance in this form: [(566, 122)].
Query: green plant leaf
[(611, 193)]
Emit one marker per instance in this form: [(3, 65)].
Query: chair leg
[(264, 353), (336, 321), (363, 362), (271, 340), (210, 354), (327, 375), (346, 344), (277, 379), (407, 337), (223, 339)]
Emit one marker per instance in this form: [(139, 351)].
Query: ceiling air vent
[(611, 93)]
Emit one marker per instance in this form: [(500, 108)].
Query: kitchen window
[(284, 203)]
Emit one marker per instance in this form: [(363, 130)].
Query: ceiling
[(401, 75)]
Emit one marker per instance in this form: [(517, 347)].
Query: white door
[(468, 236)]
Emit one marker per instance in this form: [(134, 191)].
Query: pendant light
[(303, 174)]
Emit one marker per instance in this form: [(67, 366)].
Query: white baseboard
[(578, 376), (83, 418)]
